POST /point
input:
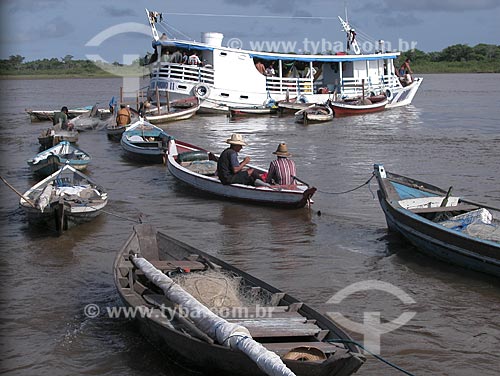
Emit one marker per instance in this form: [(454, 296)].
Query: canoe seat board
[(173, 265), (444, 209)]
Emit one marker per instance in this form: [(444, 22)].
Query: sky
[(118, 31)]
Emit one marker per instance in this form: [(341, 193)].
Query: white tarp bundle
[(225, 333)]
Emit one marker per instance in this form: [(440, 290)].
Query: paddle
[(18, 193), (302, 181)]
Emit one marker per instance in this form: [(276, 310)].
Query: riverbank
[(418, 68)]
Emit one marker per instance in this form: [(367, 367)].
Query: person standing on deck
[(260, 67), (282, 170), (405, 68), (194, 59)]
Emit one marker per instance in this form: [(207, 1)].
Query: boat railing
[(280, 85), (183, 72), (352, 87)]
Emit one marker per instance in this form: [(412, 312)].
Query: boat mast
[(352, 43), (152, 18)]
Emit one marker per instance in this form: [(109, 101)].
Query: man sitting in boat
[(123, 117), (282, 170), (229, 169)]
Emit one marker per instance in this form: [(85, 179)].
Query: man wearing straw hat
[(282, 170), (229, 169)]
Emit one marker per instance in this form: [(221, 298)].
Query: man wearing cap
[(282, 170), (229, 170)]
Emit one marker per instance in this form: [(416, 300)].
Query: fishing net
[(218, 290)]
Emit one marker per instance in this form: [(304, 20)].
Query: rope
[(116, 215), (251, 16), (373, 354), (352, 190)]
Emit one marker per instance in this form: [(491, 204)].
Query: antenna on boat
[(153, 19)]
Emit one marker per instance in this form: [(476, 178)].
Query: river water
[(449, 136)]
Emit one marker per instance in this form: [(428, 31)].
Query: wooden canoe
[(358, 107), (173, 115), (51, 160), (281, 323), (196, 167), (446, 227), (251, 111), (64, 199), (314, 114), (144, 142)]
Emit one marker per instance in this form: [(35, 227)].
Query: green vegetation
[(459, 58), (66, 67)]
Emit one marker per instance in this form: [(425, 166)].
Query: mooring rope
[(371, 353), (353, 189)]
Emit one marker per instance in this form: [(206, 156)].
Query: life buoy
[(201, 91), (388, 94), (302, 99)]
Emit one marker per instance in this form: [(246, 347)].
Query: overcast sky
[(55, 28)]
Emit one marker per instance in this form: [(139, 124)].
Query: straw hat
[(236, 139), (282, 151)]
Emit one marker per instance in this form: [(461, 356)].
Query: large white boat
[(229, 77)]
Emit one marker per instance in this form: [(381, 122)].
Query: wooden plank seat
[(172, 265), (281, 348), (279, 327), (444, 209)]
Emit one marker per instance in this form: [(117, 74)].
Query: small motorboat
[(52, 159)]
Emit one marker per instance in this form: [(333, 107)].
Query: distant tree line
[(456, 58)]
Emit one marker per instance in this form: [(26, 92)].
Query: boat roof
[(193, 45)]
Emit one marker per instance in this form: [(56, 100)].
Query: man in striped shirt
[(282, 170)]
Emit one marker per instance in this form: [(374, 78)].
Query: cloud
[(56, 28), (388, 6), (274, 6), (31, 6), (114, 11)]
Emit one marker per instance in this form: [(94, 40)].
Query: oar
[(302, 181), (18, 193)]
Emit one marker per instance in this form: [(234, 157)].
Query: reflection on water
[(449, 136)]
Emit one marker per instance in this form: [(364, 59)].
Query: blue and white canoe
[(144, 143), (446, 227), (64, 199), (52, 159)]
